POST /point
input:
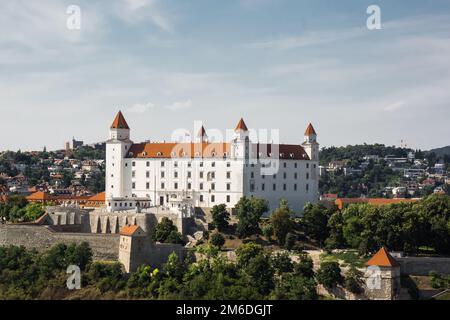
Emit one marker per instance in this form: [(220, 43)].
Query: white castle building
[(203, 173)]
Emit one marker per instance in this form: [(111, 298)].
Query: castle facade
[(202, 173)]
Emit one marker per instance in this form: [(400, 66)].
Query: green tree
[(354, 280), (294, 287), (315, 222), (329, 274), (163, 230), (249, 213), (220, 216), (282, 263), (305, 266), (281, 222), (217, 240)]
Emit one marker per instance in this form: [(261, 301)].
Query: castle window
[(201, 198), (147, 174), (133, 174), (307, 175), (175, 174), (295, 175), (162, 185), (307, 187), (133, 164), (228, 198), (228, 174), (112, 187), (162, 174), (162, 162), (284, 187), (201, 174), (201, 186), (307, 166), (175, 164), (274, 187), (213, 175), (147, 185), (252, 175), (295, 165), (295, 187), (263, 187), (189, 164), (189, 186), (291, 155), (228, 164), (213, 164), (252, 187), (126, 164), (213, 186), (213, 198), (148, 163), (133, 185), (144, 154), (175, 185), (201, 164), (189, 174), (225, 154), (284, 175), (228, 186)]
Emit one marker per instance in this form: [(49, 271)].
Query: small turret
[(311, 145), (119, 129)]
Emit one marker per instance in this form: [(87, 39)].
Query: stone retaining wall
[(104, 246)]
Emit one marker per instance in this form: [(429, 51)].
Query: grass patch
[(346, 258)]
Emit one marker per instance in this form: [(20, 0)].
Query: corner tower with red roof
[(310, 143), (382, 276), (117, 148)]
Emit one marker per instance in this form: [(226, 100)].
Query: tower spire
[(119, 122), (241, 126)]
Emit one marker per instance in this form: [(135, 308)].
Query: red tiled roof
[(39, 196), (119, 122), (99, 197), (211, 150), (383, 259), (241, 126), (178, 150), (129, 230), (310, 130)]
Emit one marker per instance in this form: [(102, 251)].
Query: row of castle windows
[(212, 175), (228, 186)]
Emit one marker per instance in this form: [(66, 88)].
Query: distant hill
[(441, 151)]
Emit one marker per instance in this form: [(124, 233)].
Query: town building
[(204, 173)]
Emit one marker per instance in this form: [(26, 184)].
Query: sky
[(280, 64)]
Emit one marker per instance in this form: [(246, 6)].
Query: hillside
[(440, 152)]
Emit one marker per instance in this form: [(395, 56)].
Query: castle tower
[(132, 247), (382, 277), (310, 144), (241, 142), (117, 148)]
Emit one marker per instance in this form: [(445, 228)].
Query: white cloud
[(141, 108), (180, 105), (140, 10), (395, 106)]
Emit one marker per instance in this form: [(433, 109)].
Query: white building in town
[(202, 173)]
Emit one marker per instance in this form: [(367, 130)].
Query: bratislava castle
[(204, 173)]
